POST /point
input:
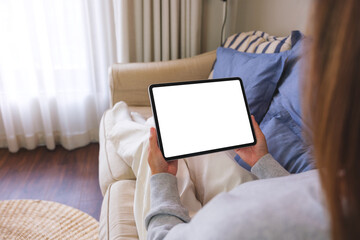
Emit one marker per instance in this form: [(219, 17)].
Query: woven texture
[(35, 219)]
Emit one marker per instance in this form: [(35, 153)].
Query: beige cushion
[(129, 82), (117, 214)]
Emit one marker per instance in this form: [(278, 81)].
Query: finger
[(156, 138), (257, 129), (153, 138), (241, 150), (154, 129)]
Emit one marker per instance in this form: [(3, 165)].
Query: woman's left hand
[(156, 160), (252, 154)]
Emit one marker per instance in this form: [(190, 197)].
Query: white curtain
[(54, 57), (157, 30)]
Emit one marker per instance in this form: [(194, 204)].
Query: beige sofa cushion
[(129, 82), (117, 215)]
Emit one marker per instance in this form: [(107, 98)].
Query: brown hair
[(331, 109)]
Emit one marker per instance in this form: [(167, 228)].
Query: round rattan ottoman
[(36, 219)]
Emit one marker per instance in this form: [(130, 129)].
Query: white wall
[(276, 17)]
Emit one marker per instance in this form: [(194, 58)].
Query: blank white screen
[(200, 117)]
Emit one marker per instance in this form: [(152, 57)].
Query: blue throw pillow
[(260, 74), (284, 139), (282, 124), (290, 85)]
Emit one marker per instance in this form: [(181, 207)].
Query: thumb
[(257, 129), (153, 138)]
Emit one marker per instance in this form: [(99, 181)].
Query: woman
[(318, 204)]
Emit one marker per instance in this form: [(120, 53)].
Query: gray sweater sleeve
[(268, 167), (166, 209), (261, 209), (167, 212)]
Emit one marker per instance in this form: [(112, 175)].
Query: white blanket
[(200, 178)]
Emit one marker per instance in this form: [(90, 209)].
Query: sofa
[(279, 115), (129, 83)]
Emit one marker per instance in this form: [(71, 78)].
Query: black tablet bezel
[(153, 106)]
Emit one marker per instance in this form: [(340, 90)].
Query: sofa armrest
[(129, 81)]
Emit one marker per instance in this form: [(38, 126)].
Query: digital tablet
[(200, 117)]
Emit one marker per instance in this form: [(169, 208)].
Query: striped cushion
[(260, 42)]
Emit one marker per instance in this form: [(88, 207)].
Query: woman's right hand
[(253, 153), (156, 160)]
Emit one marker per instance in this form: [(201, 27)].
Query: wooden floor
[(68, 177)]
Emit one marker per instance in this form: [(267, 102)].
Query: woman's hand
[(252, 154), (156, 160)]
